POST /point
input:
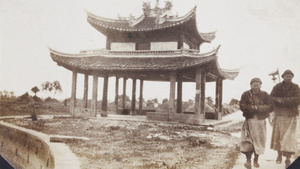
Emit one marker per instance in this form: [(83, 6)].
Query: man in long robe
[(256, 106), (286, 98)]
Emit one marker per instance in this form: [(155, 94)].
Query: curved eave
[(105, 25), (103, 63), (208, 37), (124, 25), (150, 61), (228, 74)]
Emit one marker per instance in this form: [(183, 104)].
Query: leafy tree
[(35, 89), (5, 93), (56, 86), (48, 86), (150, 103), (127, 99), (234, 102), (165, 101)]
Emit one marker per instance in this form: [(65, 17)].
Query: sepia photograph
[(149, 84)]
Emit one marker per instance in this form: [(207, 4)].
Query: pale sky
[(256, 36)]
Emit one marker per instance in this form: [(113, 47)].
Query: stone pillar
[(200, 94), (85, 92), (117, 94), (73, 94), (133, 97), (179, 94), (141, 96), (172, 95), (94, 95), (104, 96), (124, 93)]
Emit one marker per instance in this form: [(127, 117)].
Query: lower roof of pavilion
[(145, 65)]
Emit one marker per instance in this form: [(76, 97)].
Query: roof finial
[(146, 8), (168, 5), (157, 4)]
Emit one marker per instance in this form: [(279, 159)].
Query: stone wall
[(83, 112), (23, 150), (157, 116), (183, 118)]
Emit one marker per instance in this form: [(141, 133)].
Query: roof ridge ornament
[(153, 12)]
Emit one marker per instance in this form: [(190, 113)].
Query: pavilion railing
[(145, 52)]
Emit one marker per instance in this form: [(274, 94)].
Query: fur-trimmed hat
[(255, 80), (287, 72)]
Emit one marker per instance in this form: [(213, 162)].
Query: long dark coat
[(286, 98), (261, 100)]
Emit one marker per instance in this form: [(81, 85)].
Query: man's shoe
[(255, 164), (287, 163), (248, 164), (279, 159)]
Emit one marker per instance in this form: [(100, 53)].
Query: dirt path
[(125, 144), (267, 160)]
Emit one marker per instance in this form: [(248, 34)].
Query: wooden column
[(219, 90), (108, 43), (117, 94), (85, 92), (179, 94), (104, 96), (197, 97), (180, 41), (217, 98), (172, 94), (94, 95), (141, 96), (124, 93), (200, 94), (73, 94), (133, 97)]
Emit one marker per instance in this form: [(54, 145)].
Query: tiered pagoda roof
[(154, 65)]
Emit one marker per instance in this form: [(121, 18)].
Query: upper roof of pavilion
[(153, 19)]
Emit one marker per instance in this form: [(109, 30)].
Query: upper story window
[(163, 45), (117, 46)]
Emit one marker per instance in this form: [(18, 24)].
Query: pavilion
[(157, 46)]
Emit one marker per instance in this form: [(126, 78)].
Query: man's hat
[(287, 72), (256, 80)]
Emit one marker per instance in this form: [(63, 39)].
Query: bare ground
[(142, 145)]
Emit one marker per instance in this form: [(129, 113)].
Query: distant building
[(156, 46)]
